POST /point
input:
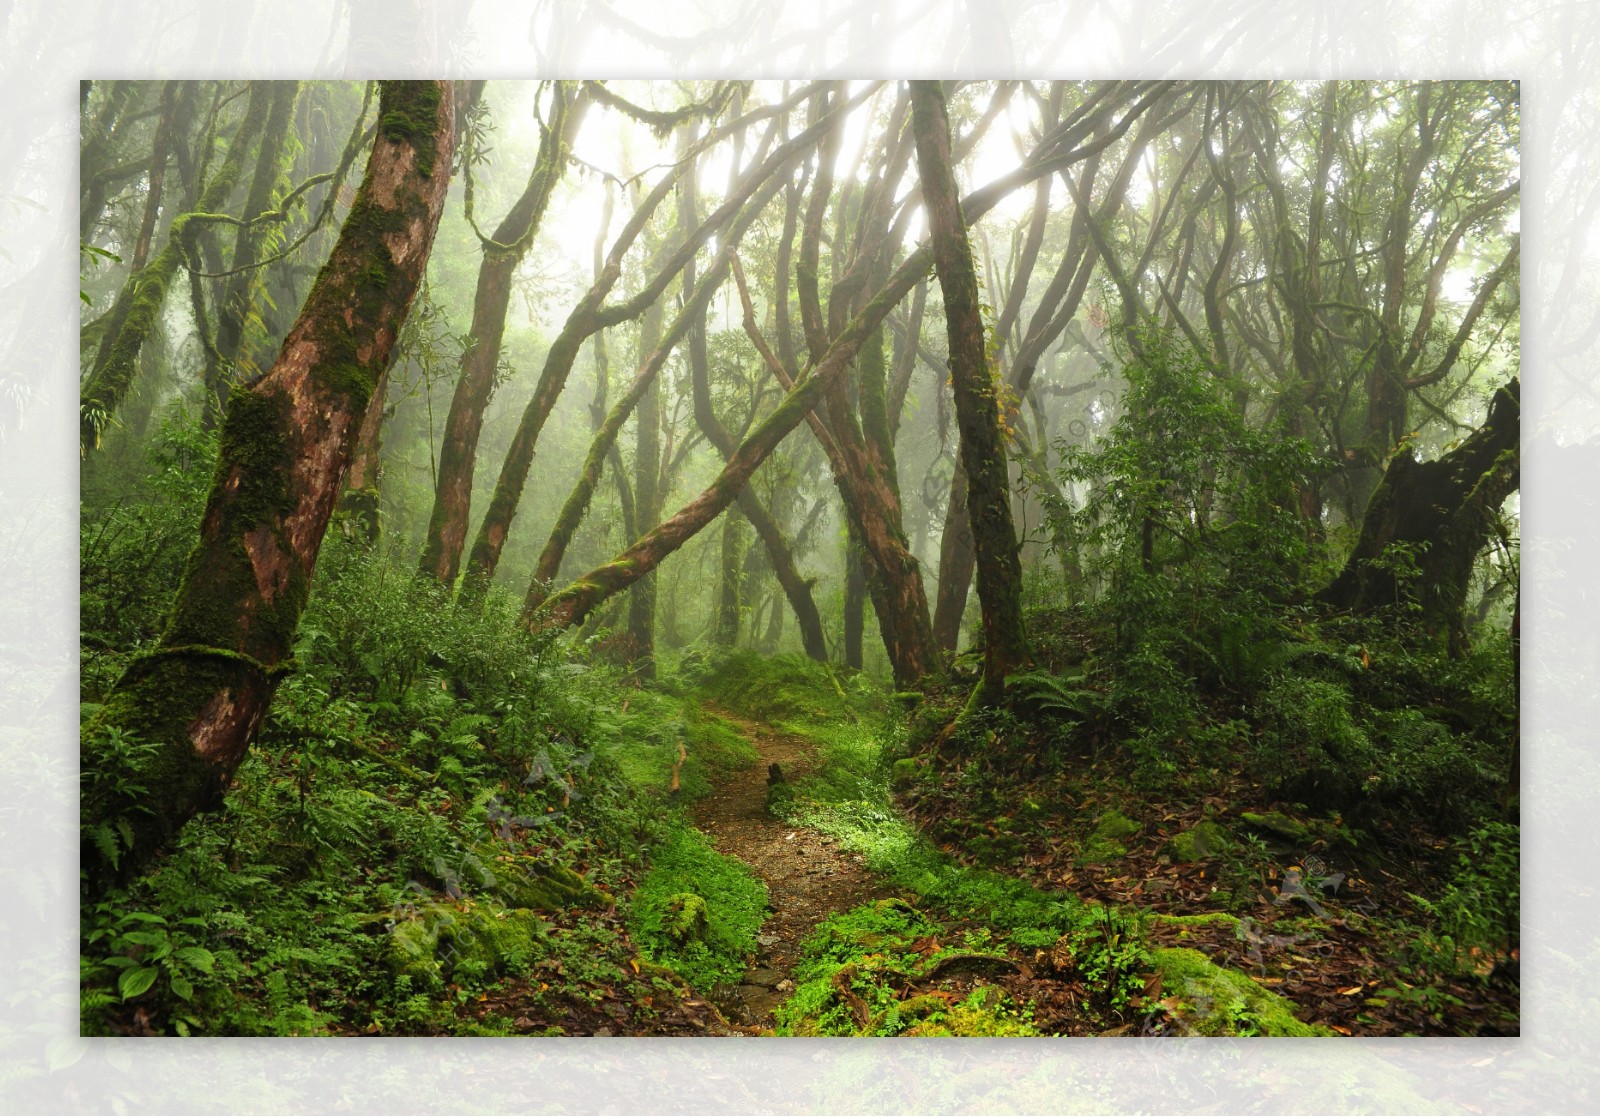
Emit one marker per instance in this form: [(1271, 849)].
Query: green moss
[(1222, 1002), (666, 920), (1278, 823), (1105, 841), (1204, 919), (410, 114), (440, 938), (685, 920), (1205, 839)]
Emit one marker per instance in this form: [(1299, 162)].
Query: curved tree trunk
[(977, 407), (795, 588), (590, 316), (458, 453), (137, 311), (200, 696), (242, 287), (1442, 513)]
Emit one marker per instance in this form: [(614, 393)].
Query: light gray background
[(46, 47)]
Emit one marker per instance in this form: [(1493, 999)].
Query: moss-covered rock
[(1105, 842), (1214, 1001), (437, 938), (906, 773), (1278, 824), (685, 920), (1202, 840)]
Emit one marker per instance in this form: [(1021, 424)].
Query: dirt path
[(808, 878)]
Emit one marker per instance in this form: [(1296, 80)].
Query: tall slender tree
[(974, 381)]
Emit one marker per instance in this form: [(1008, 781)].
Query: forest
[(805, 558)]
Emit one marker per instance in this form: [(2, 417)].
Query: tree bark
[(137, 311), (973, 379), (458, 452), (648, 496), (242, 287), (359, 502), (1442, 512), (201, 695), (956, 563), (727, 627)]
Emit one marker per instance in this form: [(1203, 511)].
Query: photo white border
[(45, 48)]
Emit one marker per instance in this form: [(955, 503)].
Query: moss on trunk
[(200, 696)]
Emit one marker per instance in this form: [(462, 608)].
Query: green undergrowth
[(855, 969), (789, 692), (883, 968), (441, 810), (698, 911)]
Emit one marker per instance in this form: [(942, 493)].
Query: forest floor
[(808, 877)]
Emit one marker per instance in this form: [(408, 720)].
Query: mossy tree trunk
[(796, 588), (359, 503), (1428, 521), (647, 495), (480, 359), (855, 604), (973, 380), (242, 290), (201, 695), (136, 314)]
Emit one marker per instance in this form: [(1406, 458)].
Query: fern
[(1055, 694)]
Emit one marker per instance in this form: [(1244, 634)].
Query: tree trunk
[(159, 158), (201, 695), (242, 288), (1436, 515), (999, 571), (458, 452), (956, 562), (590, 316), (727, 628), (137, 311), (359, 502), (647, 499)]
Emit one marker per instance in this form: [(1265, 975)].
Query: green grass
[(697, 911), (849, 799)]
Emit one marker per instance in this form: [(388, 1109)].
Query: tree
[(973, 379), (480, 358), (199, 697), (1428, 521)]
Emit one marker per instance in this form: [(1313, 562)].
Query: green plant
[(149, 956), (698, 911), (1479, 911), (111, 782)]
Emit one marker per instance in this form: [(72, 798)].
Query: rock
[(1105, 841), (1202, 840), (904, 773), (1280, 824), (763, 976), (685, 919)]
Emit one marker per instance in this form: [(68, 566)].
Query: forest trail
[(808, 878)]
